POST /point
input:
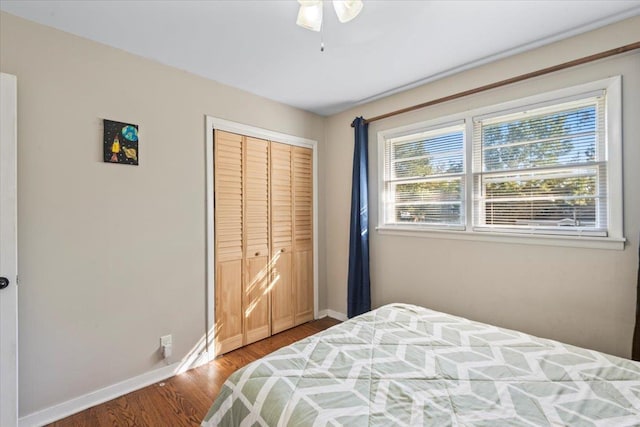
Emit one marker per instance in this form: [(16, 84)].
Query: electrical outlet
[(165, 347), (165, 340)]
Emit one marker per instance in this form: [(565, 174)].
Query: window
[(546, 167), (542, 169), (424, 176)]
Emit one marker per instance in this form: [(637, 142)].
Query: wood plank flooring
[(184, 400)]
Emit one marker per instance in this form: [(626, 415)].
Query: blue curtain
[(359, 288)]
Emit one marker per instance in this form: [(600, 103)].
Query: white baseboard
[(72, 406), (332, 313)]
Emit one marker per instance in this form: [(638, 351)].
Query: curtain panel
[(359, 287)]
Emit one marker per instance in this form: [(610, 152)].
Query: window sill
[(610, 243)]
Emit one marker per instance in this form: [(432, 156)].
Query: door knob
[(4, 282)]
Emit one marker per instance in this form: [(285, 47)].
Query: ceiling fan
[(310, 13)]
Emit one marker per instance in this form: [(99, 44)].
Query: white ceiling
[(256, 45)]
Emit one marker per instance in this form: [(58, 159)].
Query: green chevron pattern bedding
[(403, 365)]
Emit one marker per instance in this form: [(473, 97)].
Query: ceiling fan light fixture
[(347, 9), (310, 14)]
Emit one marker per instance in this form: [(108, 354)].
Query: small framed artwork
[(120, 144)]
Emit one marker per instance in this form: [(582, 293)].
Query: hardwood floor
[(184, 400)]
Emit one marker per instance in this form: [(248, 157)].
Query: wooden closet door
[(302, 167), (282, 296), (228, 216), (256, 223)]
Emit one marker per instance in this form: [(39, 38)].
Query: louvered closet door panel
[(303, 197), (257, 197), (228, 301), (282, 296), (303, 267), (228, 196), (282, 293), (256, 307), (228, 215), (256, 215), (281, 199), (302, 167)]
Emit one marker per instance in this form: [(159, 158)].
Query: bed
[(405, 365)]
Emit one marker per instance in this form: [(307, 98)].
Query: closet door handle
[(257, 253), (4, 282), (282, 250)]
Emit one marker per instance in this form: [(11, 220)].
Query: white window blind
[(542, 170), (424, 177)]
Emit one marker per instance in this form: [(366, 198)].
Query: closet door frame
[(214, 123)]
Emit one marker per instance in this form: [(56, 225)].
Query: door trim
[(9, 249), (215, 123)]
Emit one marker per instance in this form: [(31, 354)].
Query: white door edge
[(8, 252)]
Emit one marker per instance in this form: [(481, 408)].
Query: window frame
[(613, 134)]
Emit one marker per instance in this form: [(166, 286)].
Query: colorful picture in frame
[(120, 144)]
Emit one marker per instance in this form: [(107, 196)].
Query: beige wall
[(580, 296), (111, 257)]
